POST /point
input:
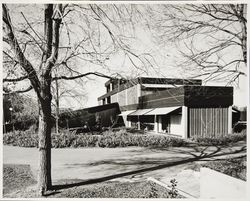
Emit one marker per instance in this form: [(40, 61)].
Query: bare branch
[(15, 79), (34, 32), (25, 64), (19, 91), (82, 75)]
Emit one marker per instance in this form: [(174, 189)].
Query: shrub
[(225, 140), (21, 138), (110, 139)]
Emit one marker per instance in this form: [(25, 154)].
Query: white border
[(125, 2)]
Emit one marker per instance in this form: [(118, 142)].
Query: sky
[(142, 40)]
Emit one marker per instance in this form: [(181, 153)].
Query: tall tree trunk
[(57, 107), (44, 133)]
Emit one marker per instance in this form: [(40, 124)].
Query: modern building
[(178, 107)]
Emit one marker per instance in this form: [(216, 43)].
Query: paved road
[(124, 164)]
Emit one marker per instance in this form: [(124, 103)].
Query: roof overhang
[(125, 113), (140, 112), (162, 111)]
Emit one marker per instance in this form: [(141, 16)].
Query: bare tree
[(73, 37), (210, 37)]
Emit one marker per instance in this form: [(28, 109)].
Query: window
[(108, 88), (108, 100)]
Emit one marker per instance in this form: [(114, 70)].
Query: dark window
[(113, 86), (108, 100), (108, 88)]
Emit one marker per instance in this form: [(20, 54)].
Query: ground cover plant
[(18, 177), (111, 139), (235, 167)]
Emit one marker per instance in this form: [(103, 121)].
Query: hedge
[(225, 140), (108, 139), (116, 138)]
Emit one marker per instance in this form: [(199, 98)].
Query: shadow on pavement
[(198, 154)]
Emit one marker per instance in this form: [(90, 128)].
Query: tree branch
[(19, 91), (25, 64), (15, 79), (82, 75), (34, 32)]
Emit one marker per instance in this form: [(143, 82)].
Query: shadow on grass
[(199, 155)]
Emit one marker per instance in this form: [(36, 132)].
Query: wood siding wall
[(208, 96), (208, 122), (166, 98)]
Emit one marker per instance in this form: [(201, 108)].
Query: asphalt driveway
[(124, 164)]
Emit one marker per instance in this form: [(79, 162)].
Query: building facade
[(178, 107)]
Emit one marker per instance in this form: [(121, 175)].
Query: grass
[(16, 177)]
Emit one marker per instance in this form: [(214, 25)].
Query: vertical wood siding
[(208, 122)]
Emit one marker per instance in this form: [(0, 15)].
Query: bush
[(225, 140), (26, 138), (110, 139)]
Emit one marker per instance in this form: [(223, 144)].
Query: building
[(178, 107), (90, 119)]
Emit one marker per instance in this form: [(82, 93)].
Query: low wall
[(214, 184)]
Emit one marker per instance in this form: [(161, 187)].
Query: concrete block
[(214, 184)]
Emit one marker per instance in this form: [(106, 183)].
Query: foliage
[(70, 139), (109, 139), (101, 190), (225, 140), (24, 113), (20, 138), (173, 193), (235, 167), (112, 139), (153, 191)]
